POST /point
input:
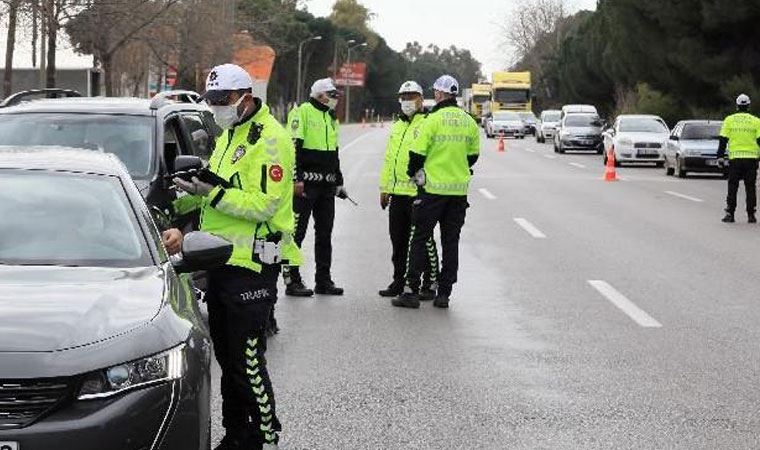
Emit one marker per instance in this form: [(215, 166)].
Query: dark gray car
[(102, 345)]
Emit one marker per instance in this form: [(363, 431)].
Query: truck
[(481, 95), (511, 92)]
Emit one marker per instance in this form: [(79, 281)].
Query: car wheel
[(679, 170), (618, 163), (669, 171), (561, 150)]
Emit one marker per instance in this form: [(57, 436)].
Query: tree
[(10, 46)]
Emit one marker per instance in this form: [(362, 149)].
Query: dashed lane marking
[(685, 197), (550, 156), (637, 314), (487, 194), (578, 165), (530, 228)]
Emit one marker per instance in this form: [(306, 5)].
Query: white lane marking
[(530, 228), (628, 307), (578, 165), (487, 194), (357, 140), (530, 150), (550, 157), (685, 197)]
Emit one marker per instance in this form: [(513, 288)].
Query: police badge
[(238, 155)]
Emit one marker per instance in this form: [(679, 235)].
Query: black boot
[(229, 443), (393, 290), (427, 294), (751, 218), (729, 218), (407, 300), (328, 289), (441, 301), (297, 289)]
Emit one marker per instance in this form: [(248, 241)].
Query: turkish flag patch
[(275, 173)]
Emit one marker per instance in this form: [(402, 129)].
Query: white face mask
[(227, 116), (408, 107), (332, 103)]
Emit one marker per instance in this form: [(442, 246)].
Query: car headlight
[(625, 143), (166, 366)]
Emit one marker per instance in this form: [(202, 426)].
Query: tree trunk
[(10, 46), (52, 43), (106, 63), (35, 24)]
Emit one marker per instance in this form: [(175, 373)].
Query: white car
[(636, 138), (547, 125), (506, 123)]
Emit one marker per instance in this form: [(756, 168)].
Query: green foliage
[(652, 101)]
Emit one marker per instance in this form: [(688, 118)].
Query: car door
[(201, 138), (672, 149)]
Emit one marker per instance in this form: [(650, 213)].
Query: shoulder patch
[(276, 173), (239, 153), (295, 124)]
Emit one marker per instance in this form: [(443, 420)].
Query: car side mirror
[(203, 251), (673, 137), (186, 163)]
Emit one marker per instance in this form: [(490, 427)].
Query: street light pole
[(299, 82), (348, 88)]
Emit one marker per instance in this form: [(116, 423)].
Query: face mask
[(226, 116), (332, 103), (408, 107)]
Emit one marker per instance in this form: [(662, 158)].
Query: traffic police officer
[(318, 181), (740, 135), (253, 211), (440, 160), (397, 192)]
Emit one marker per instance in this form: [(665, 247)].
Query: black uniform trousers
[(318, 201), (239, 304), (742, 169), (400, 213), (430, 210)]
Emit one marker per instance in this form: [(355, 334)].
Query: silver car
[(547, 125), (506, 123), (693, 147)]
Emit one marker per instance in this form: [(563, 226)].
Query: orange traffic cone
[(610, 174), (502, 147)]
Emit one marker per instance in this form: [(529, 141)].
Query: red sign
[(352, 75)]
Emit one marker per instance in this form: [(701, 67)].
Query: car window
[(201, 141), (94, 224), (128, 137), (701, 131), (642, 125), (550, 117), (506, 116), (582, 120)]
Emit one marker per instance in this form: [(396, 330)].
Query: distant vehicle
[(579, 131), (507, 123), (693, 147), (547, 125), (511, 92), (147, 135), (103, 343), (579, 109), (480, 97), (637, 138), (530, 122)]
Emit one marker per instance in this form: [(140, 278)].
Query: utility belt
[(319, 177)]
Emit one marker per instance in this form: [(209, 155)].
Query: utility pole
[(348, 88), (299, 81)]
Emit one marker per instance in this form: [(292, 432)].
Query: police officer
[(740, 135), (397, 193), (318, 181), (254, 211), (440, 160)]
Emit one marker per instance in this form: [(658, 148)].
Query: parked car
[(637, 138), (102, 344), (547, 125), (530, 122), (693, 147), (579, 132), (147, 135), (507, 123)]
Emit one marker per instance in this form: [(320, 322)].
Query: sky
[(444, 23)]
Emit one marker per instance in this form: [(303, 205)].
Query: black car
[(693, 147), (102, 344), (147, 135), (579, 131)]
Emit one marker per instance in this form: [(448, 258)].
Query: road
[(588, 315)]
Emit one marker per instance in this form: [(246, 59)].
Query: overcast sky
[(470, 24)]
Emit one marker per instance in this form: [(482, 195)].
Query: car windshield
[(64, 219), (551, 117), (528, 116), (642, 125), (581, 120), (512, 95), (128, 137), (701, 131), (506, 117)]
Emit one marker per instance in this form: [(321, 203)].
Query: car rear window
[(582, 120), (128, 137), (64, 219), (701, 131), (506, 117)]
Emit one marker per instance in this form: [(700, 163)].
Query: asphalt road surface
[(588, 315)]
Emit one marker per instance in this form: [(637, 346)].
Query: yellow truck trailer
[(481, 95), (511, 92)]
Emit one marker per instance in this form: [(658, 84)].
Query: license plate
[(648, 153), (712, 162), (586, 142), (9, 446)]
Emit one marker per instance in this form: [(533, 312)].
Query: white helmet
[(411, 87), (743, 100)]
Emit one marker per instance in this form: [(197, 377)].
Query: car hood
[(643, 137), (705, 146), (44, 309)]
